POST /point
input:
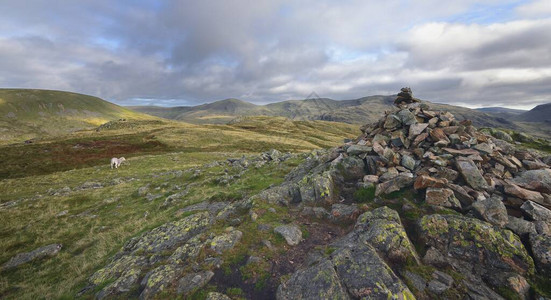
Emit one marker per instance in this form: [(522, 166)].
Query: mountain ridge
[(353, 111)]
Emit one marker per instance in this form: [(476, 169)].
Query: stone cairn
[(456, 166), (405, 96)]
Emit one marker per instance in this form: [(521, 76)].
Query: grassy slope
[(99, 221), (26, 114)]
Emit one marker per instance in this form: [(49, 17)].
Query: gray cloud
[(190, 52)]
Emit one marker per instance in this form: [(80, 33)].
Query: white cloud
[(272, 50), (538, 8)]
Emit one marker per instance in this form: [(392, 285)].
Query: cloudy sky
[(474, 53)]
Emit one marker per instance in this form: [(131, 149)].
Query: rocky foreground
[(419, 206)]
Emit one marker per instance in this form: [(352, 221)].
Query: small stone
[(441, 197), (371, 178), (291, 233), (417, 129), (408, 162), (358, 149), (225, 241), (425, 181), (515, 190)]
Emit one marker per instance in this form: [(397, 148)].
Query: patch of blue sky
[(484, 14), (344, 55), (111, 44)]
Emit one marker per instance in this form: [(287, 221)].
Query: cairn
[(405, 97), (456, 165)]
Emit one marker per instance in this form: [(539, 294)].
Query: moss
[(363, 194)]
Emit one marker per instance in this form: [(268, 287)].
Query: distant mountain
[(26, 113), (356, 111), (501, 112), (540, 113)]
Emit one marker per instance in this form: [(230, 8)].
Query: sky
[(170, 53)]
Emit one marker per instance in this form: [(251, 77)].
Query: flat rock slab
[(291, 233), (22, 258), (471, 174)]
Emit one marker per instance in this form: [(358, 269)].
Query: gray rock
[(537, 180), (502, 135), (352, 168), (317, 189), (408, 162), (383, 229), (416, 129), (541, 248), (442, 197), (491, 210), (358, 149), (291, 233), (471, 174), (536, 212), (520, 226), (473, 246), (226, 241), (343, 213), (317, 212), (158, 279), (192, 282), (23, 258), (418, 282), (397, 183), (406, 117), (284, 194), (316, 282), (437, 287)]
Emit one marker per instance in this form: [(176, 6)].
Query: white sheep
[(116, 162)]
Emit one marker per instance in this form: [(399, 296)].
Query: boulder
[(383, 229), (316, 282), (491, 210), (408, 162), (291, 233), (474, 246)]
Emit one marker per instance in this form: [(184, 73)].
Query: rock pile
[(405, 96), (454, 163)]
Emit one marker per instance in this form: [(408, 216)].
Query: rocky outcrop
[(354, 268), (23, 258)]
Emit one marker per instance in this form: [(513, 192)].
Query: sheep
[(116, 162)]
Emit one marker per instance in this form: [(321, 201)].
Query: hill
[(29, 113), (198, 211), (356, 111), (540, 113)]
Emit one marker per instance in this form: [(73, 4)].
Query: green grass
[(161, 155)]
